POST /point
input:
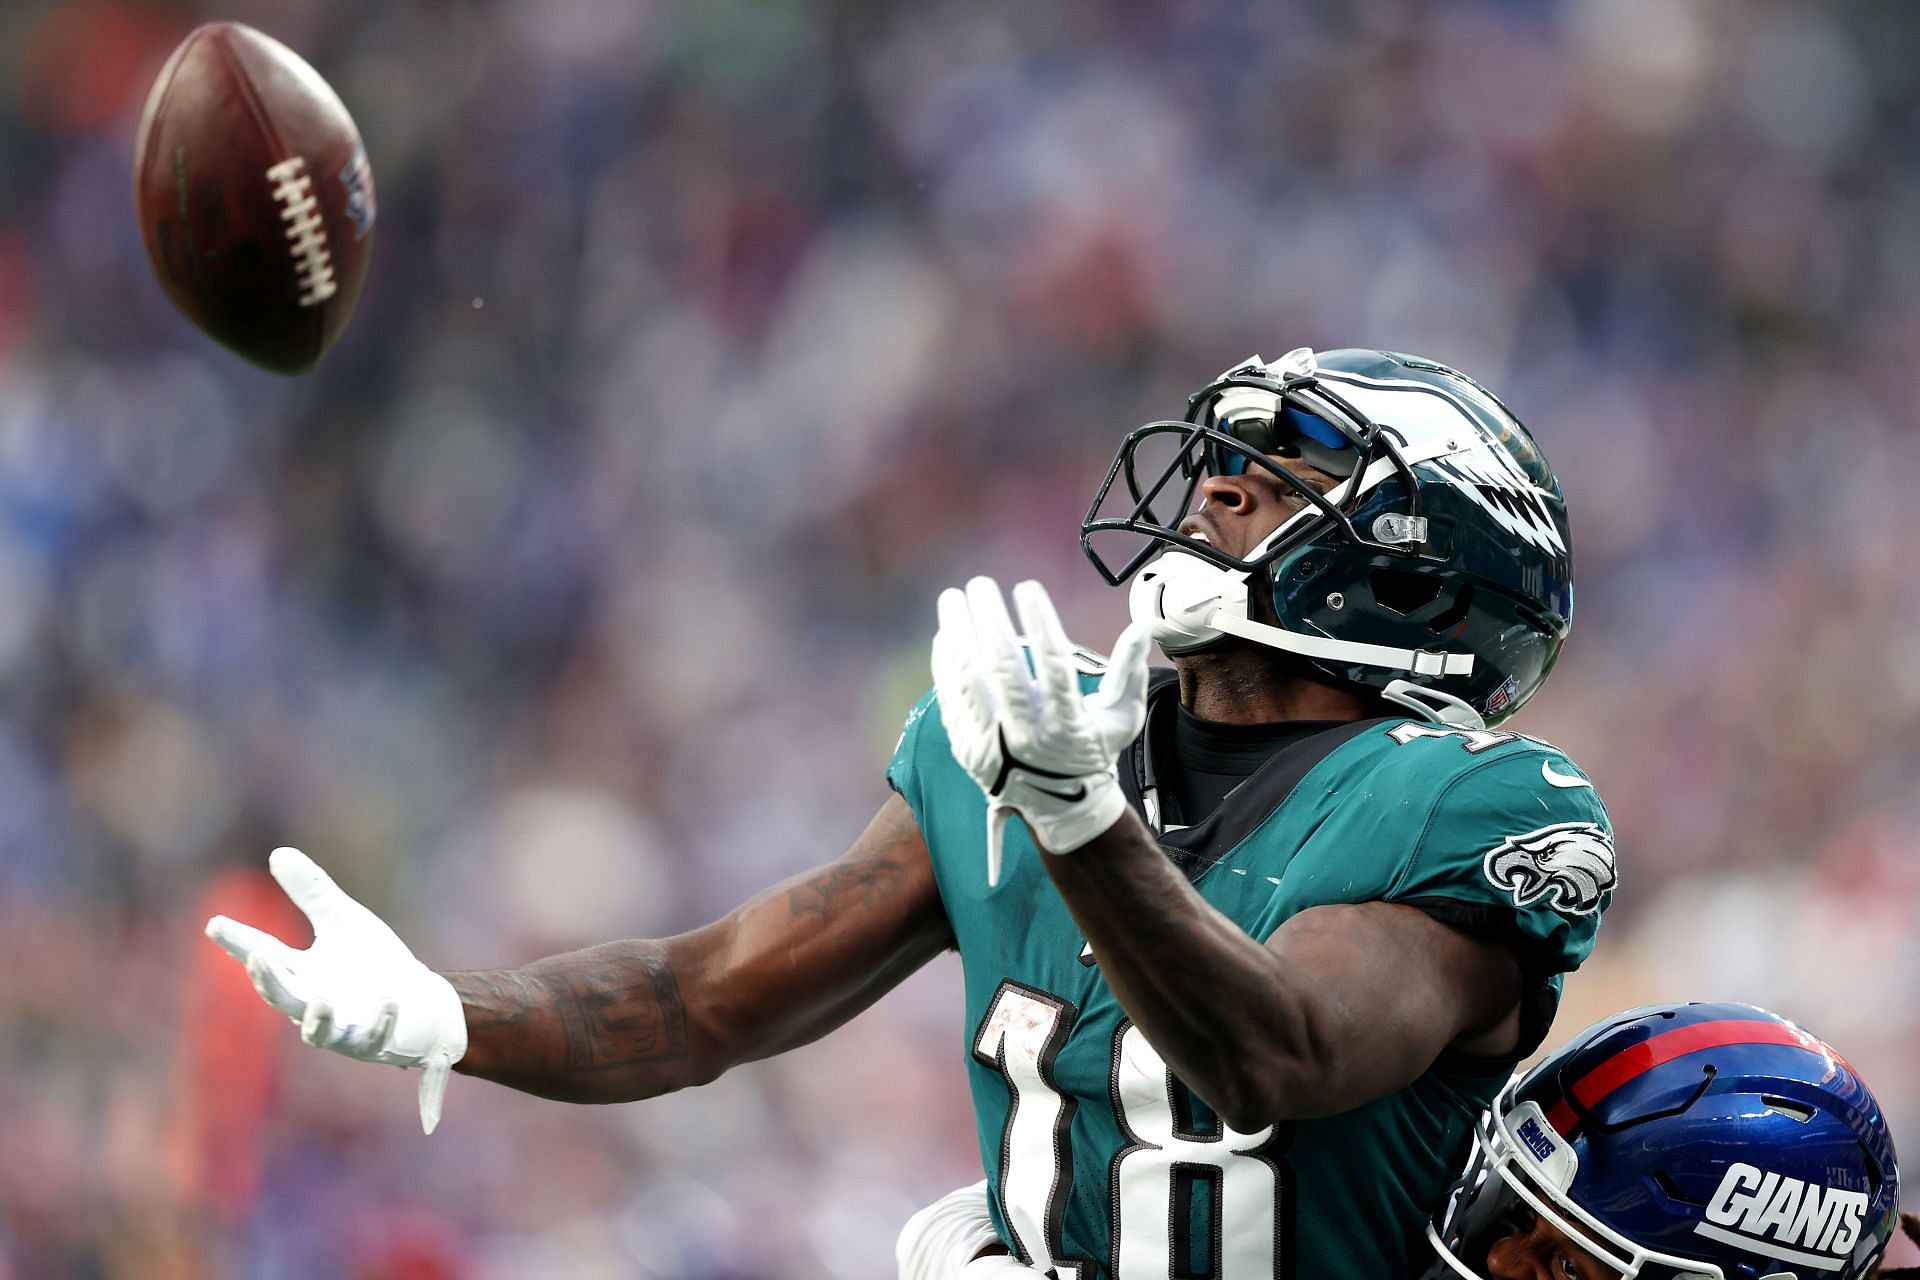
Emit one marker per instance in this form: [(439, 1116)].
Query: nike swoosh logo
[(1079, 793), (1566, 780)]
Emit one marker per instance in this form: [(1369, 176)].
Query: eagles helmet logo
[(1568, 863)]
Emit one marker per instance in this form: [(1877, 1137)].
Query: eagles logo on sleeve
[(1569, 864)]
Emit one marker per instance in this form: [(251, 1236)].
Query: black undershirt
[(1211, 758)]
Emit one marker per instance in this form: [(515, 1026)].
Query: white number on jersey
[(1154, 1177), (1474, 740), (1149, 1176), (1019, 1037)]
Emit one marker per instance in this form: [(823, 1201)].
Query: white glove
[(999, 1266), (357, 990), (1036, 745), (940, 1242)]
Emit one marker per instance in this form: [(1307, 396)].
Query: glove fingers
[(277, 985), (954, 618), (1125, 682), (999, 651), (1052, 653), (381, 1033), (243, 941), (311, 889), (316, 1026), (273, 981), (992, 624), (956, 673), (433, 1090)]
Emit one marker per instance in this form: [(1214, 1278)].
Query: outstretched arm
[(629, 1020), (620, 1021)]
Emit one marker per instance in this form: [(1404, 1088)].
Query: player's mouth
[(1192, 528)]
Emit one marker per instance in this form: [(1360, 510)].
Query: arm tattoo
[(640, 1018), (862, 882), (596, 1013), (612, 1025)]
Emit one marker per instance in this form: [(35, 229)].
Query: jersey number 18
[(1154, 1179)]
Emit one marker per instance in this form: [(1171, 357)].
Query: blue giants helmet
[(1675, 1142), (1437, 569)]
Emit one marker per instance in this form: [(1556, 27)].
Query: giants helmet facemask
[(1437, 570)]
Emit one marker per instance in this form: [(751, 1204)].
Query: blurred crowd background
[(581, 591)]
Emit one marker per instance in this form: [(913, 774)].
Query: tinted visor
[(1292, 433)]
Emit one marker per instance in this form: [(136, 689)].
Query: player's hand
[(357, 990), (943, 1242), (1036, 745)]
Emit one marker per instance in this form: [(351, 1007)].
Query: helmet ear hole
[(1799, 1111), (1404, 592), (1456, 613), (1671, 1189)]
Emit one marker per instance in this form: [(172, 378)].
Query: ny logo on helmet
[(1569, 863)]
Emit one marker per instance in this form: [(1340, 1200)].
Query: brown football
[(254, 195)]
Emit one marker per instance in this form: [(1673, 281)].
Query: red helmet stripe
[(1636, 1060)]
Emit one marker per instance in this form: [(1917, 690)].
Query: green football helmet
[(1437, 570)]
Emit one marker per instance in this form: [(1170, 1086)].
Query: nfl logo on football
[(357, 178)]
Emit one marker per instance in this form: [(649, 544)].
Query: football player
[(1273, 926), (1674, 1142)]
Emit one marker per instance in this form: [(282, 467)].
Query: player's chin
[(1236, 648), (1196, 654)]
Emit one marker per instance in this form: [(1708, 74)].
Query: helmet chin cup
[(1178, 596), (1187, 603)]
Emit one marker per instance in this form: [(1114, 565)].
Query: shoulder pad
[(1474, 742), (1556, 769)]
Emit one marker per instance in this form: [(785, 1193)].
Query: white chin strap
[(1186, 603)]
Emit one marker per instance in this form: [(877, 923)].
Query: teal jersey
[(1100, 1162)]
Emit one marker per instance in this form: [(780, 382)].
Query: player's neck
[(1249, 684)]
